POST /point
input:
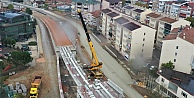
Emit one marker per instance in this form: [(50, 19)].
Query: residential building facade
[(86, 5), (178, 47), (140, 14), (175, 84), (165, 25), (119, 22), (104, 20), (186, 10), (137, 40), (110, 24)]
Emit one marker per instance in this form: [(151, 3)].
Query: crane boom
[(96, 65)]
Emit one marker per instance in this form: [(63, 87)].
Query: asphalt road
[(111, 68), (50, 65)]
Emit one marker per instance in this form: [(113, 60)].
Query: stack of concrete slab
[(19, 90), (17, 85), (11, 87), (24, 89)]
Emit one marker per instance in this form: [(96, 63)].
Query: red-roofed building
[(178, 47), (186, 10)]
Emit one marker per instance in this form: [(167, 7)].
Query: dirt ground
[(26, 77)]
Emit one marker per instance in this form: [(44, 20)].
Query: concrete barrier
[(110, 51)]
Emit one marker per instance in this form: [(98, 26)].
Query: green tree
[(10, 6), (20, 58), (2, 65), (123, 2), (168, 65), (28, 11), (191, 19)]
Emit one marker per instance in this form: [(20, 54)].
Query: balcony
[(166, 31), (128, 40), (137, 17)]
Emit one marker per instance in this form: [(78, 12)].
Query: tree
[(10, 6), (2, 65), (191, 19), (168, 65), (141, 4), (20, 58), (123, 2), (28, 11)]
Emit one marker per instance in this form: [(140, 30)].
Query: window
[(177, 47), (142, 50), (175, 53), (174, 60), (142, 45), (162, 80), (144, 33), (143, 39), (184, 94)]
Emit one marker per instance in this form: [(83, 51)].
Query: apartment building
[(178, 47), (119, 22), (165, 25), (140, 14), (137, 40), (110, 24), (86, 5), (109, 3), (168, 7), (104, 20), (186, 10), (174, 84), (152, 19), (128, 10), (173, 7)]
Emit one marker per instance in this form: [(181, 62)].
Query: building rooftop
[(113, 14), (187, 33), (9, 15), (106, 10), (138, 10), (121, 20), (128, 7), (168, 20), (169, 2), (113, 1), (153, 15), (131, 26), (96, 14), (183, 80)]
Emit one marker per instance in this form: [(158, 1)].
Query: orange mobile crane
[(94, 69)]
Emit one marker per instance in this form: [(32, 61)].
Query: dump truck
[(35, 86)]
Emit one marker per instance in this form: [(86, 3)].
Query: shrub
[(33, 43)]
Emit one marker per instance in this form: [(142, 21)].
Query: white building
[(109, 3), (86, 5), (118, 33), (174, 84), (165, 25), (137, 40), (178, 47), (104, 20), (140, 14)]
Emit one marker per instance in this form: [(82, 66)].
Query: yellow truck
[(35, 86)]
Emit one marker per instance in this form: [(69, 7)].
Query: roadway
[(49, 69), (111, 68)]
